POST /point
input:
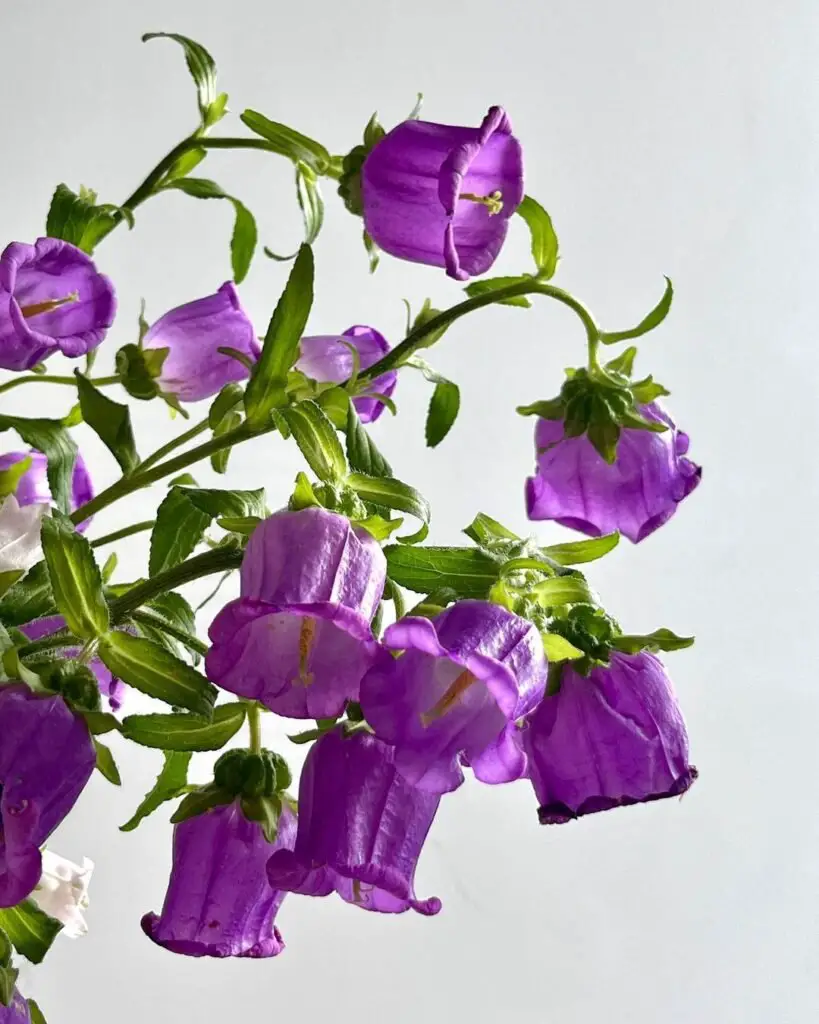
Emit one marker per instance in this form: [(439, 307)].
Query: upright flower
[(613, 738), (443, 194), (455, 693), (361, 828), (46, 758), (299, 638), (52, 299), (327, 358), (219, 902), (636, 495), (32, 486), (62, 892), (193, 334), (16, 1012), (19, 537)]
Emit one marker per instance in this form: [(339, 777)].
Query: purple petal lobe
[(32, 487), (16, 1012)]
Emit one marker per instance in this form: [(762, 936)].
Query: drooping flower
[(614, 738), (20, 546), (32, 487), (361, 828), (455, 693), (62, 892), (52, 299), (299, 638), (193, 334), (327, 358), (443, 194), (637, 494), (46, 758), (17, 1012), (110, 687), (219, 902)]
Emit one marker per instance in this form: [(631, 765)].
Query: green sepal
[(647, 390), (659, 640), (547, 409), (8, 983), (648, 323), (266, 811), (106, 765), (201, 801), (138, 368)]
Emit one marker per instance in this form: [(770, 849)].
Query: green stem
[(41, 378), (190, 641), (171, 446), (126, 531), (254, 722)]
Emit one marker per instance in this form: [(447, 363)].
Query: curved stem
[(41, 378), (254, 723), (171, 446), (126, 531)]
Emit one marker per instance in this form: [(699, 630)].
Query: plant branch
[(126, 531), (40, 378)]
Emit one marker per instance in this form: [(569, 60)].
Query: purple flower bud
[(612, 739), (299, 639), (16, 1012), (443, 195), (110, 687), (46, 758), (32, 487), (636, 495), (361, 828), (52, 299), (219, 901), (194, 368), (327, 358), (466, 676)]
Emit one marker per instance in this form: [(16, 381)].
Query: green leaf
[(110, 421), (35, 1013), (578, 551), (100, 722), (154, 671), (186, 163), (560, 590), (547, 409), (335, 402), (266, 389), (317, 440), (215, 503), (200, 801), (288, 142), (10, 478), (169, 620), (648, 323), (225, 402), (558, 648), (171, 783), (76, 218), (493, 284), (604, 435), (469, 572), (203, 72), (443, 411), (544, 239), (390, 493), (362, 453), (29, 598), (659, 640), (75, 578), (647, 390), (54, 441), (137, 369), (106, 765), (31, 931), (372, 250), (8, 975), (310, 202), (303, 494), (380, 528), (179, 527), (186, 732), (624, 363), (486, 531)]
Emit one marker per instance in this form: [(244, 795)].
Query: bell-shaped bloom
[(614, 738), (219, 901), (32, 487), (299, 638), (17, 1012), (361, 828), (52, 299), (20, 546), (327, 358), (443, 194), (637, 494), (455, 693), (62, 892), (111, 688), (46, 758), (193, 334)]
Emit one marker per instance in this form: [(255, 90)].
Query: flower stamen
[(449, 699), (493, 202), (48, 305), (307, 634)]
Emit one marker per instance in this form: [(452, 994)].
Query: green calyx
[(246, 774), (138, 369), (590, 630), (349, 184), (76, 684)]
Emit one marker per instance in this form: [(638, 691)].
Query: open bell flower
[(219, 901), (46, 759), (574, 486), (62, 892), (614, 738), (17, 1012), (193, 334), (32, 487), (299, 638), (455, 693), (20, 546), (443, 194), (327, 358), (361, 828), (52, 299)]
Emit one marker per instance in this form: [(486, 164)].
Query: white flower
[(20, 535), (63, 892)]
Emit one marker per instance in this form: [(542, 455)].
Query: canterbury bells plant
[(413, 668)]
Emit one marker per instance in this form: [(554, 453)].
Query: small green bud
[(76, 683)]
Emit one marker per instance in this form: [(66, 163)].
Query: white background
[(676, 138)]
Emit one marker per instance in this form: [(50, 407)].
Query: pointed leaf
[(170, 783), (288, 142), (469, 572), (110, 421), (544, 239), (106, 765), (52, 439), (203, 71), (659, 640), (443, 411), (317, 440), (362, 453), (75, 578), (579, 551), (186, 732), (390, 493), (648, 323), (30, 929)]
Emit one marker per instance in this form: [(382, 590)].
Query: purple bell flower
[(299, 639), (32, 487), (219, 902), (442, 194), (194, 368), (46, 758), (17, 1012), (327, 358), (636, 495), (612, 739), (110, 687), (52, 299), (361, 828), (455, 693)]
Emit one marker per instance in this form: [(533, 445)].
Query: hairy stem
[(254, 723), (126, 531), (35, 378), (171, 446)]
